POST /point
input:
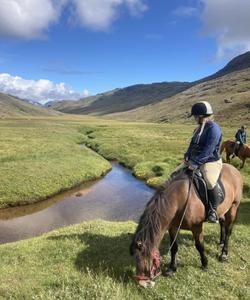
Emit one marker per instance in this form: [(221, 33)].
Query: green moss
[(154, 173), (92, 261)]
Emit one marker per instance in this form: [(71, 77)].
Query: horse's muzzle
[(155, 269)]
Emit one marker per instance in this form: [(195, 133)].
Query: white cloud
[(229, 22), (100, 14), (136, 7), (30, 19), (40, 91), (84, 94)]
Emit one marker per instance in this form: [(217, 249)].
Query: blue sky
[(61, 49)]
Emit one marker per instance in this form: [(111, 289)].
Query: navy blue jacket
[(207, 148), (241, 136)]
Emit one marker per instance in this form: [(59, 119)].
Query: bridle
[(155, 268)]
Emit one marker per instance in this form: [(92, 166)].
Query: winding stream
[(118, 196)]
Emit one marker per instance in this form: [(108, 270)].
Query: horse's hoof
[(223, 257), (170, 272), (204, 268), (221, 245)]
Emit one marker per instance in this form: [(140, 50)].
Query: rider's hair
[(202, 122), (204, 119)]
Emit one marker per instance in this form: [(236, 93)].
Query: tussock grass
[(91, 261), (39, 158), (153, 151), (134, 143)]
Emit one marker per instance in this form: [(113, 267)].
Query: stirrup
[(212, 217)]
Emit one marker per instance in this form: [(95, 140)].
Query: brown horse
[(243, 153), (175, 201)]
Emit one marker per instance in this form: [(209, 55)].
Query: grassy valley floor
[(91, 261), (40, 157)]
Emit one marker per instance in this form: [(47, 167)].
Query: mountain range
[(228, 90)]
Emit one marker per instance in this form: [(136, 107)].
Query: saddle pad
[(201, 189)]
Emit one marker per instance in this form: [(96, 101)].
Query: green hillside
[(240, 62), (229, 96), (11, 106), (121, 100), (74, 107), (228, 90)]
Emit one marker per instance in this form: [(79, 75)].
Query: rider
[(240, 139), (203, 153)]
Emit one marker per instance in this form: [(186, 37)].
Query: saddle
[(200, 185), (201, 189)]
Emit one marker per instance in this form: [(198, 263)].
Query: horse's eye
[(139, 245)]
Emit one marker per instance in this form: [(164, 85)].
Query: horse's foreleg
[(199, 244), (243, 163), (172, 266), (228, 158), (229, 219), (222, 231)]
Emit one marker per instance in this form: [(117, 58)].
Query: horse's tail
[(222, 147)]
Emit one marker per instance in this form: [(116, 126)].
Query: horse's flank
[(233, 184), (246, 151)]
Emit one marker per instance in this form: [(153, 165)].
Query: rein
[(185, 210)]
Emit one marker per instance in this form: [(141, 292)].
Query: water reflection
[(118, 197)]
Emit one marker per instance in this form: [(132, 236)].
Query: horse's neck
[(160, 213), (153, 233), (164, 226)]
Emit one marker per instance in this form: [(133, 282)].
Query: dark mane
[(149, 229)]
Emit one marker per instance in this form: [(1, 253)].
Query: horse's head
[(147, 262), (147, 238)]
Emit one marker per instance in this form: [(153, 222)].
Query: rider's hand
[(192, 167)]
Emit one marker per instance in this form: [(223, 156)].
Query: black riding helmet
[(202, 108)]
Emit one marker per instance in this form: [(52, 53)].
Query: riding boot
[(213, 197), (235, 150)]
